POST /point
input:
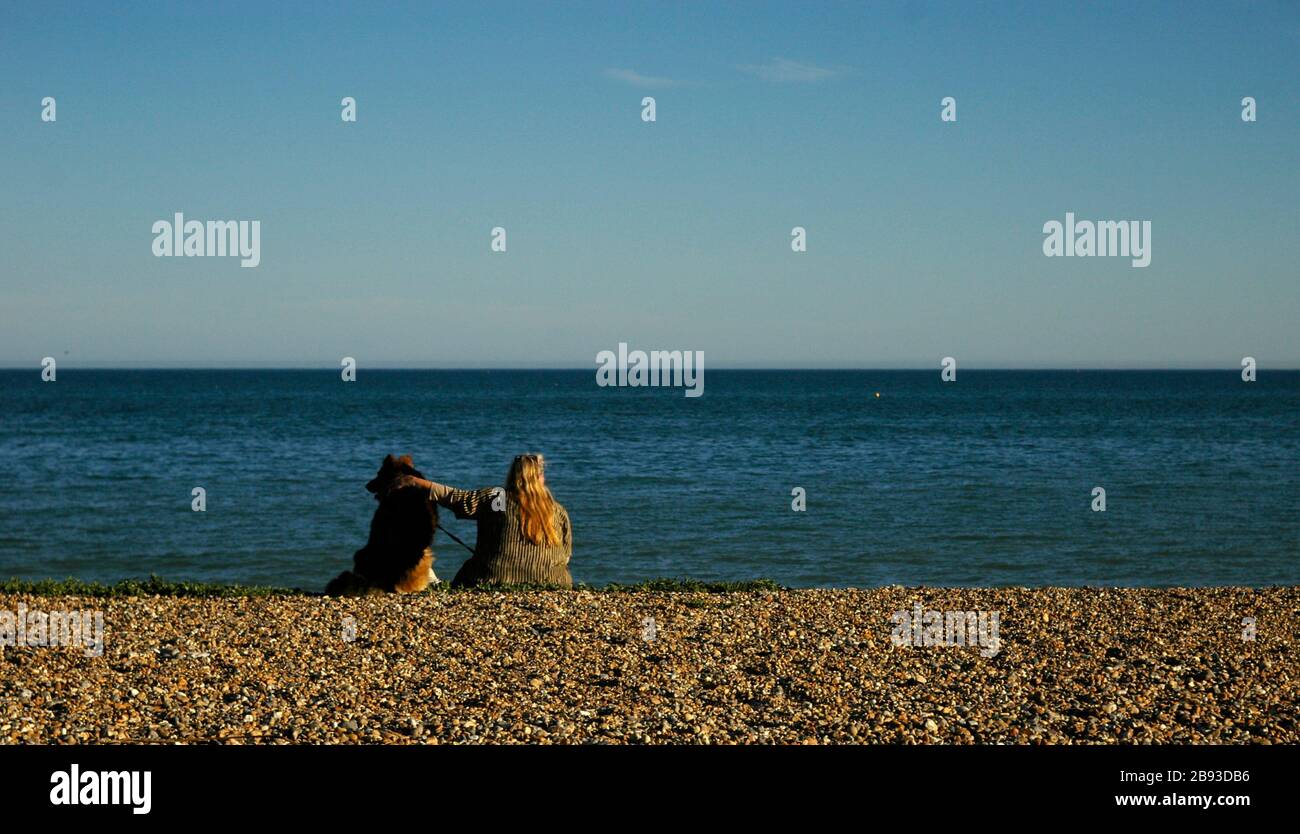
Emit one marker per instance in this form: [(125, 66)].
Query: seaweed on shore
[(696, 586), (155, 586), (151, 587)]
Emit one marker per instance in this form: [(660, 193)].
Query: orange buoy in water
[(877, 395)]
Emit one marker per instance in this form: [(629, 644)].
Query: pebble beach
[(1071, 666)]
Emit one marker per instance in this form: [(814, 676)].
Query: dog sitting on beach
[(398, 557)]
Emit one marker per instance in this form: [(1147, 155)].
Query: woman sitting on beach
[(524, 535)]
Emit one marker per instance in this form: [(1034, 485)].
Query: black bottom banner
[(207, 783)]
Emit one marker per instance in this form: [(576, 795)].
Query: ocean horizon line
[(724, 367)]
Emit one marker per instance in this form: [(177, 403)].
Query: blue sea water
[(986, 481)]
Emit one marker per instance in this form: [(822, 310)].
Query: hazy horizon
[(127, 366)]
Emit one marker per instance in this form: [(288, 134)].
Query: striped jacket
[(502, 555)]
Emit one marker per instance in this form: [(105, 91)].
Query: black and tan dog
[(398, 558)]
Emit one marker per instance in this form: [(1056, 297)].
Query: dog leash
[(457, 540)]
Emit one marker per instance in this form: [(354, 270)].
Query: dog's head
[(390, 470)]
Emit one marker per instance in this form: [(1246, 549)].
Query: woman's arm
[(464, 503), (437, 491)]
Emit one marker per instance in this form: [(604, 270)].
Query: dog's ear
[(387, 471), (405, 466)]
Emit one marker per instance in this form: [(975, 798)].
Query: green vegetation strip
[(156, 587)]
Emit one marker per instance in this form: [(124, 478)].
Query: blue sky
[(924, 238)]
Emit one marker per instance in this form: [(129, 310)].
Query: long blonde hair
[(536, 504)]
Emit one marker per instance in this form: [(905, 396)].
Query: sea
[(836, 478)]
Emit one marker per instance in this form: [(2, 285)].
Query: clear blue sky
[(924, 237)]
